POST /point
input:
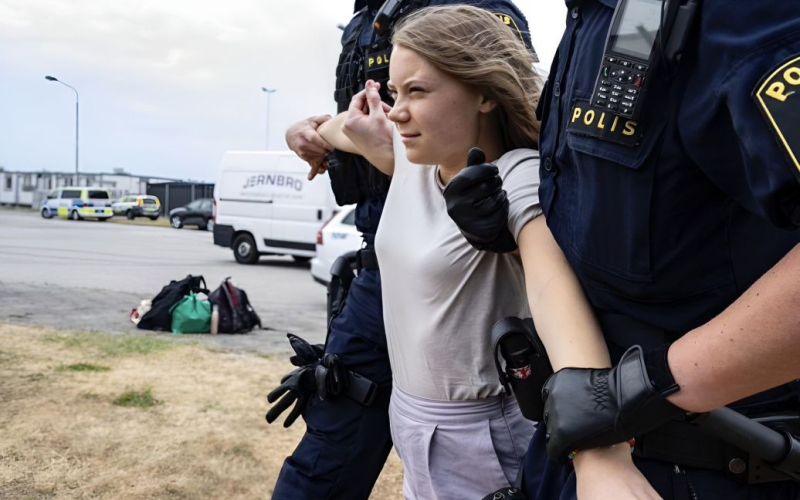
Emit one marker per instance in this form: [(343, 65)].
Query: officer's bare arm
[(750, 347), (560, 309), (302, 138)]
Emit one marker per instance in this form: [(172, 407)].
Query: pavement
[(88, 275)]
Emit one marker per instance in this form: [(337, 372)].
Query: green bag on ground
[(191, 315)]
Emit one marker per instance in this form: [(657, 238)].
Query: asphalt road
[(87, 275)]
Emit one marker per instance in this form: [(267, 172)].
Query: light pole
[(269, 93), (54, 79)]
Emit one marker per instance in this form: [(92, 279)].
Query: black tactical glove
[(478, 205), (317, 374), (297, 386), (589, 408), (305, 353)]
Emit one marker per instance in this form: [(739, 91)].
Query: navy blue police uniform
[(668, 219), (346, 444)]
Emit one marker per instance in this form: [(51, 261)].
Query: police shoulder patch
[(778, 99)]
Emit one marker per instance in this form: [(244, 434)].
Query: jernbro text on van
[(273, 180)]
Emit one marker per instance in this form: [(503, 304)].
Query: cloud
[(167, 86)]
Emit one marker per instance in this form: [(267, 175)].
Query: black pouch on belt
[(342, 275), (527, 365)]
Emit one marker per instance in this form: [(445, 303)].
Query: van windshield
[(98, 195)]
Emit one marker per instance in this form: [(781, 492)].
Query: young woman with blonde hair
[(461, 79)]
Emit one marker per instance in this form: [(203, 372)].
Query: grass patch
[(241, 451), (83, 367), (137, 399), (34, 377), (113, 345), (7, 355), (210, 405)]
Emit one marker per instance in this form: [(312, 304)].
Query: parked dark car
[(197, 213)]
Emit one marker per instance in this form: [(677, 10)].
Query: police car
[(141, 205), (77, 204)]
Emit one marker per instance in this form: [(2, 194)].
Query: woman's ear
[(486, 104)]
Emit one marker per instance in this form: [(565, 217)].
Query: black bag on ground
[(236, 315), (159, 317)]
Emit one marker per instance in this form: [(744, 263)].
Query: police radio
[(387, 14), (378, 54), (643, 35)]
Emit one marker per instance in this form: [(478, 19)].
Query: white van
[(264, 204)]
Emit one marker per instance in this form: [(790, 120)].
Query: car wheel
[(244, 249), (46, 213), (176, 222), (75, 215), (129, 215), (301, 260), (210, 225)]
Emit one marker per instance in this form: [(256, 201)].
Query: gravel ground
[(89, 275)]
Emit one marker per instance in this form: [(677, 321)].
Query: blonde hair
[(475, 47)]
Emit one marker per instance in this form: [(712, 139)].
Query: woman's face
[(437, 116)]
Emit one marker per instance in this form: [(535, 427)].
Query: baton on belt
[(777, 448)]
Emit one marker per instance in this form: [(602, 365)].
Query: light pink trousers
[(460, 450)]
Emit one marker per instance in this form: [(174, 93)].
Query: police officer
[(346, 442), (682, 227)]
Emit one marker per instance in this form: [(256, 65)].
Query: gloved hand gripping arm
[(590, 408), (754, 345)]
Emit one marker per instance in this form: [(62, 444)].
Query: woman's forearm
[(331, 131), (561, 312)]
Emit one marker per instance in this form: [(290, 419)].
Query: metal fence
[(178, 194)]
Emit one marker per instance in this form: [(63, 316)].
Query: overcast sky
[(167, 86)]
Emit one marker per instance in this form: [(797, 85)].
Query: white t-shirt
[(440, 295)]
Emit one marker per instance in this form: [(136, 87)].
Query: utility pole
[(269, 93), (77, 100)]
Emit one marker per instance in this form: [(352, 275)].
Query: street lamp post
[(54, 79), (269, 93)]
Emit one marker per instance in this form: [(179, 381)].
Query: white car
[(337, 237)]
